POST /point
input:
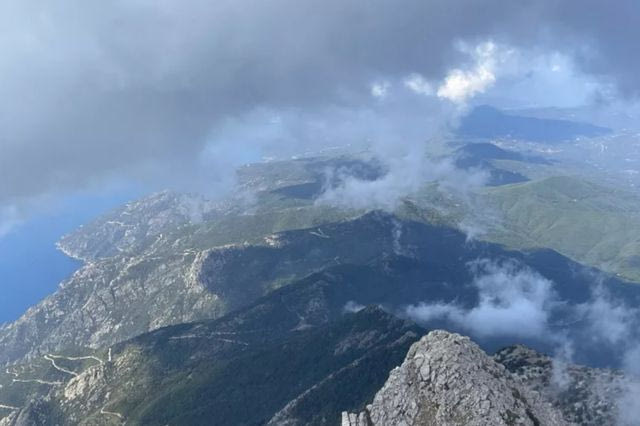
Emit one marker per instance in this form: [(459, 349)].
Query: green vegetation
[(589, 223), (252, 387)]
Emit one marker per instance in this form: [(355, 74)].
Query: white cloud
[(352, 307), (560, 368), (627, 404), (380, 89), (609, 320), (9, 219), (631, 361), (460, 85), (405, 175), (418, 84), (513, 301)]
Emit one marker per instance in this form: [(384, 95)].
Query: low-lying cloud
[(517, 303), (513, 300), (404, 176)]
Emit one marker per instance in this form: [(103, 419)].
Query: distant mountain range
[(487, 122)]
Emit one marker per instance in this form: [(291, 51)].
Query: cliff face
[(448, 380)]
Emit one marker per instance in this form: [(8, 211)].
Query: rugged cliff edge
[(446, 379)]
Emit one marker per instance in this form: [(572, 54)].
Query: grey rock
[(446, 379)]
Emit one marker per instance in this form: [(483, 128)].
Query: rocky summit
[(446, 379)]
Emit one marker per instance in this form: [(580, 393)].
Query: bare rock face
[(446, 379)]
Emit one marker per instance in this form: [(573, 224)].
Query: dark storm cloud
[(603, 36), (91, 89)]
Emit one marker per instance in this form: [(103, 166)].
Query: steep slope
[(234, 373), (134, 379), (446, 379), (231, 372), (117, 298), (311, 303), (114, 299), (144, 262), (339, 365)]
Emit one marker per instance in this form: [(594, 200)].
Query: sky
[(142, 90), (160, 94)]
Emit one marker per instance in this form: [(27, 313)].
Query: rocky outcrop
[(446, 379), (586, 396)]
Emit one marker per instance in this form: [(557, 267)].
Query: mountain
[(446, 379), (117, 298), (251, 310), (191, 370), (487, 122), (144, 263), (475, 154), (298, 357)]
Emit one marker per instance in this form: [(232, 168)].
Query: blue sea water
[(30, 265)]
